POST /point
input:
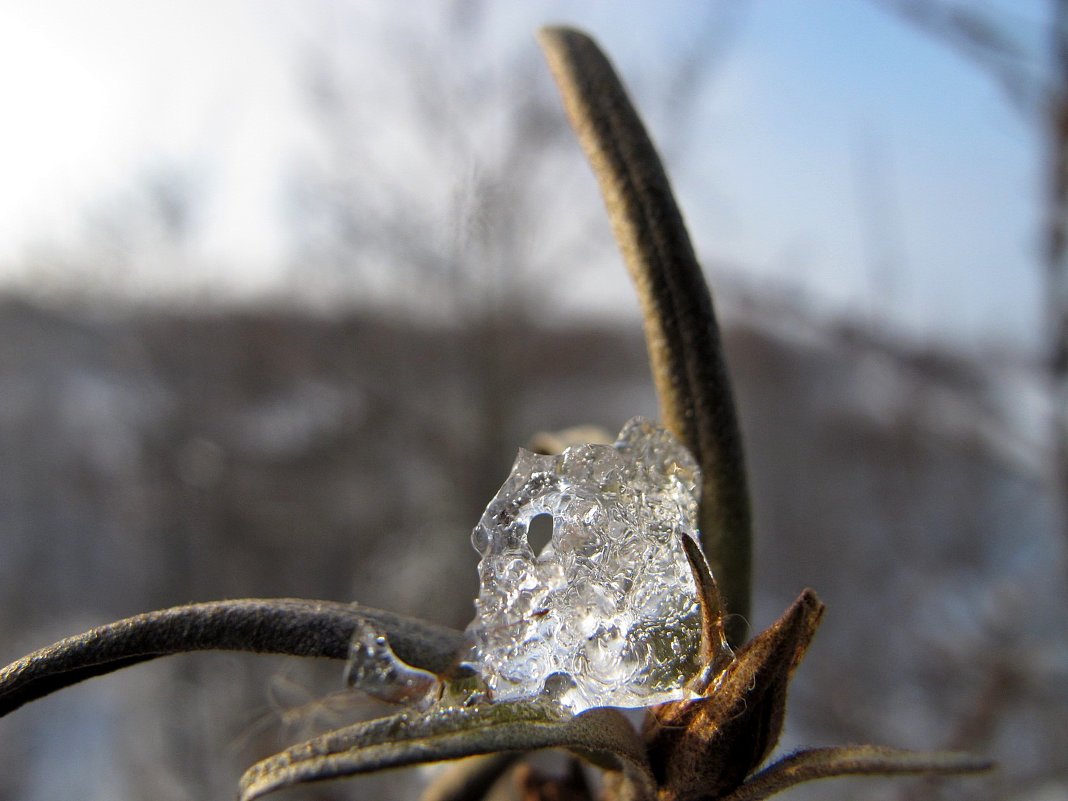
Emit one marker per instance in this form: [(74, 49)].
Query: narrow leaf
[(854, 760), (685, 351), (452, 733), (275, 626), (715, 653)]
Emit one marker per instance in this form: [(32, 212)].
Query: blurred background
[(283, 287)]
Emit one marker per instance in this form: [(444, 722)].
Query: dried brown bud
[(705, 748)]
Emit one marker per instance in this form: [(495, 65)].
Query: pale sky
[(821, 117)]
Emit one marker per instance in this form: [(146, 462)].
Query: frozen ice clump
[(377, 671), (607, 614)]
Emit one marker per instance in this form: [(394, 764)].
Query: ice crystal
[(374, 669), (607, 614)]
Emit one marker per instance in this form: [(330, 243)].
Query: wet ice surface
[(607, 614), (374, 669)]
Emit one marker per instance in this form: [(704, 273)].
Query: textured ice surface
[(374, 669), (607, 614)]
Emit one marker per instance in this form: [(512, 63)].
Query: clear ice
[(374, 669), (608, 613)]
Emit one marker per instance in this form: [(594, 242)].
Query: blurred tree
[(429, 116), (1057, 258), (1034, 80), (152, 222)]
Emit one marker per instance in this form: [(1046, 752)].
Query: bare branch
[(987, 42)]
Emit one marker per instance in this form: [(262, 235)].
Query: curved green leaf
[(685, 351)]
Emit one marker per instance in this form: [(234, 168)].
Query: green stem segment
[(685, 351)]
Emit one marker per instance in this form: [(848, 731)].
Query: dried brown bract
[(705, 748)]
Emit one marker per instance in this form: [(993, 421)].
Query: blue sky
[(836, 152), (848, 97)]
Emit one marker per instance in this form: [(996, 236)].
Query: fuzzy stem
[(685, 352)]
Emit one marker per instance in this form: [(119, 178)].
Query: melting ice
[(608, 613), (377, 671)]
